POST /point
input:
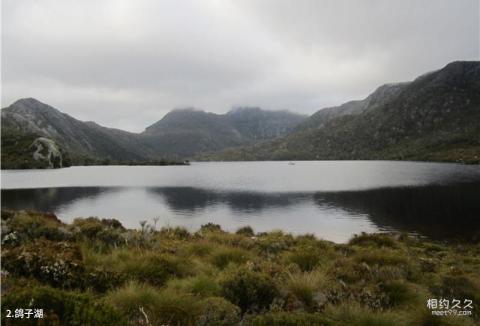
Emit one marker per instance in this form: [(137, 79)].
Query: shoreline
[(189, 162)]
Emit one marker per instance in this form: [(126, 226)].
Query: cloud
[(126, 63)]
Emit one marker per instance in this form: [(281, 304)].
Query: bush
[(374, 240), (274, 242), (175, 233), (306, 286), (251, 291), (145, 305), (354, 315), (382, 257), (399, 293), (224, 256), (307, 258), (61, 307), (460, 286), (201, 285), (286, 319), (200, 248), (152, 267), (107, 231), (210, 227), (24, 226), (56, 263), (246, 231), (217, 311)]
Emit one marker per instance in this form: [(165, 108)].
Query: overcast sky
[(126, 63)]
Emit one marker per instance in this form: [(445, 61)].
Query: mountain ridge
[(178, 135), (434, 117)]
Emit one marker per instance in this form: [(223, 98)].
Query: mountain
[(178, 135), (434, 117), (380, 96), (183, 133), (255, 124), (24, 150), (80, 139), (186, 132)]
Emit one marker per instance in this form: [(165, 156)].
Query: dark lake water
[(331, 199)]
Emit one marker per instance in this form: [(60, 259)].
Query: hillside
[(80, 139), (186, 132), (435, 117), (182, 133), (255, 124), (25, 150), (178, 135)]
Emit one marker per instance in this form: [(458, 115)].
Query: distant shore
[(100, 163), (94, 271), (133, 163)]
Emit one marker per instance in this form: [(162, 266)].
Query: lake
[(331, 199)]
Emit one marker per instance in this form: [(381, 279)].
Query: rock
[(47, 150)]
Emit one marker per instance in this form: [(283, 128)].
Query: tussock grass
[(80, 272), (306, 286), (201, 285), (223, 256)]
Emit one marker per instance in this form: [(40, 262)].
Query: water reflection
[(437, 211), (48, 199), (192, 199)]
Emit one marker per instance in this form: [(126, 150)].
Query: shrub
[(373, 240), (175, 233), (145, 305), (274, 242), (199, 248), (286, 319), (251, 291), (382, 257), (201, 285), (460, 286), (224, 256), (246, 231), (210, 227), (307, 258), (25, 225), (354, 315), (152, 267), (107, 231), (216, 311), (306, 286), (399, 293), (61, 307), (56, 263)]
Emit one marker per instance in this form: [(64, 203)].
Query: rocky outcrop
[(47, 151)]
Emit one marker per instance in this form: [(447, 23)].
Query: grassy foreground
[(96, 272)]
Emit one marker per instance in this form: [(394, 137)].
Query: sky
[(126, 63)]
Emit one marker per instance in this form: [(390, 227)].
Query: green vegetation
[(88, 161), (95, 272), (433, 118), (17, 151)]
